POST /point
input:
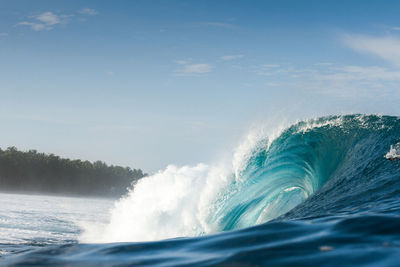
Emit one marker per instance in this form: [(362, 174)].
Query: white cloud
[(197, 68), (45, 21), (359, 73), (187, 68), (49, 18), (35, 26), (269, 69), (395, 28), (345, 81), (88, 11), (356, 81), (387, 48), (231, 57)]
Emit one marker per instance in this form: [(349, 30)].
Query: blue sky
[(149, 83)]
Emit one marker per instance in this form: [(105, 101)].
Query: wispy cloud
[(345, 81), (197, 68), (187, 68), (3, 34), (268, 69), (88, 11), (359, 73), (45, 21), (231, 57), (48, 20), (358, 81), (387, 48), (35, 26)]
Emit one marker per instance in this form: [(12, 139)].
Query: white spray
[(175, 202)]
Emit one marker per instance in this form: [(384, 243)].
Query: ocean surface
[(320, 192)]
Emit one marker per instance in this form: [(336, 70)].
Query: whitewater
[(316, 191)]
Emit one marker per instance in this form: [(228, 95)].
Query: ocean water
[(29, 222), (321, 192)]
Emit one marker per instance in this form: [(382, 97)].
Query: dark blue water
[(323, 188)]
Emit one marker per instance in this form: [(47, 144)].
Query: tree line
[(30, 171)]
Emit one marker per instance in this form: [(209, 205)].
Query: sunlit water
[(33, 221)]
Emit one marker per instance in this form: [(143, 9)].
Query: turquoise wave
[(282, 173)]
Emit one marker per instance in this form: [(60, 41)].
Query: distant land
[(34, 172)]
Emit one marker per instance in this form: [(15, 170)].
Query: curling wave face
[(318, 192), (335, 159)]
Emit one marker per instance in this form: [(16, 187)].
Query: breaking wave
[(326, 165)]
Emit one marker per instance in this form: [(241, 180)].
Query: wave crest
[(269, 176)]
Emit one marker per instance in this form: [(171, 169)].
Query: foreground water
[(324, 191), (29, 222)]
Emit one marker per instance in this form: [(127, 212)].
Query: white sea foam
[(174, 202), (171, 203), (394, 152), (312, 124), (179, 201)]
